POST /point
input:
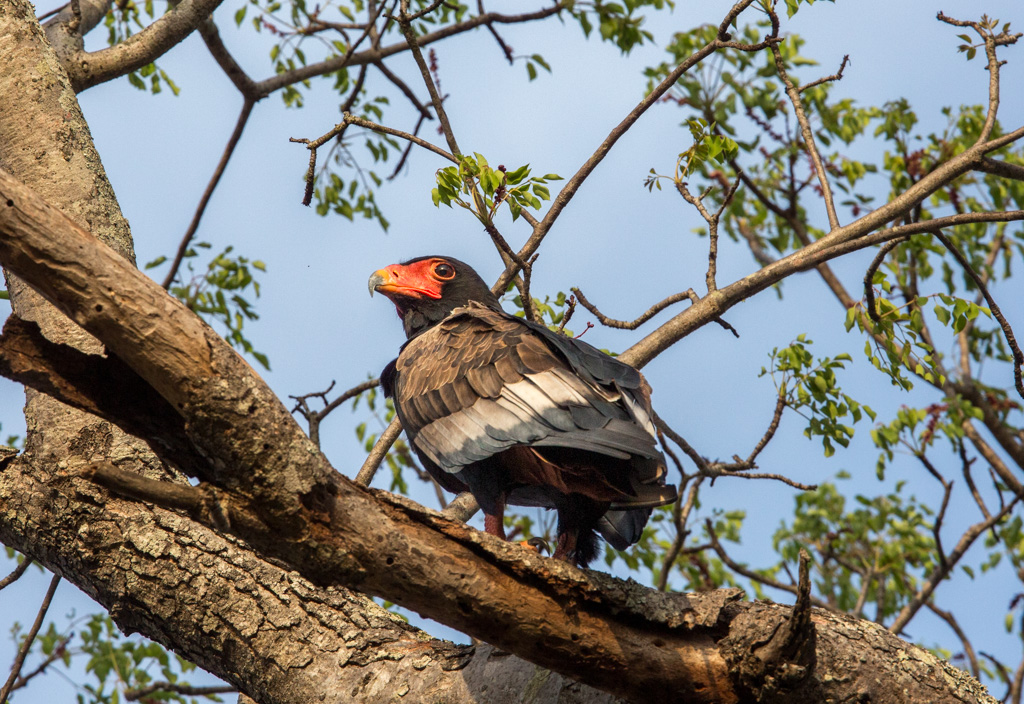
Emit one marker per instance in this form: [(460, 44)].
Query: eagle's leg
[(566, 546), (495, 523)]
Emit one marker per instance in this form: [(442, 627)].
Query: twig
[(947, 488), (314, 418), (19, 660), (133, 695), (698, 459), (58, 652), (951, 621), (229, 149), (680, 514), (712, 221), (558, 204), (780, 404), (643, 318), (505, 48), (339, 129), (1018, 357), (837, 76), (379, 452), (751, 574), (942, 570), (570, 308), (807, 133), (16, 573), (869, 276), (405, 23)]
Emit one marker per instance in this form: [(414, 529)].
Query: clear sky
[(624, 247)]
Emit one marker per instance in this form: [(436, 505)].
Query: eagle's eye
[(444, 271)]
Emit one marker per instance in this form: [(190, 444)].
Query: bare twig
[(339, 129), (951, 621), (751, 574), (1018, 357), (808, 135), (942, 570), (26, 645), (698, 459), (229, 149), (648, 314), (405, 22), (780, 405), (314, 418), (16, 573), (680, 514), (379, 451), (505, 48), (712, 221), (837, 76), (570, 308), (573, 184), (643, 318), (58, 652)]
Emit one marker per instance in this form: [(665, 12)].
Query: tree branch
[(229, 149), (26, 645), (87, 69)]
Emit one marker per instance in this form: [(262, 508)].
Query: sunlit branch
[(808, 136), (279, 81), (379, 452), (87, 69), (573, 184)]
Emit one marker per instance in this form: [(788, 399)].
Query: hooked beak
[(377, 279)]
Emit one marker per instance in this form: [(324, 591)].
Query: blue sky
[(624, 247)]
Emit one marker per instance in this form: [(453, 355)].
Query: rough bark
[(617, 636), (208, 597)]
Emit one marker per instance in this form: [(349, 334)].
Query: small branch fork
[(739, 467), (712, 221), (688, 294), (314, 418)]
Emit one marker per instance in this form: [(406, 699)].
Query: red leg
[(565, 546), (495, 525)]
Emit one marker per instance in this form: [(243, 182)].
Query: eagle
[(518, 414)]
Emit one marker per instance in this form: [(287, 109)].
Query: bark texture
[(207, 596)]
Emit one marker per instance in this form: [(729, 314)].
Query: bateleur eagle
[(518, 414)]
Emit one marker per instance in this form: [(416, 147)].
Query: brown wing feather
[(481, 382)]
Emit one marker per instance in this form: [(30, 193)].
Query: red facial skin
[(416, 280)]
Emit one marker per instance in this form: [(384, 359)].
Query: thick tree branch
[(87, 69), (278, 493)]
